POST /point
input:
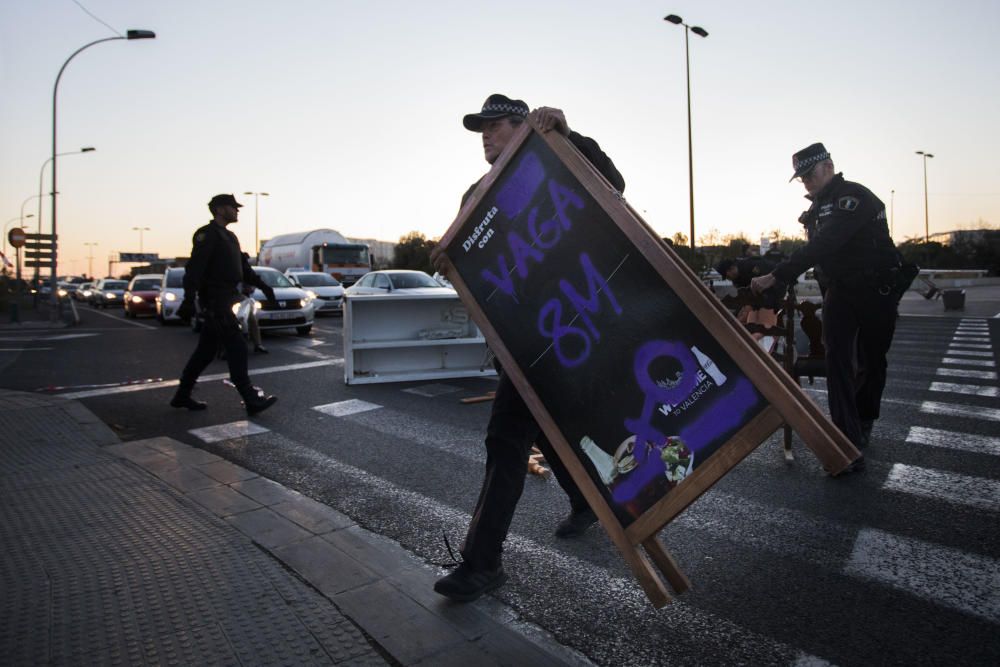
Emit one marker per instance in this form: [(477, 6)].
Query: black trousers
[(858, 325), (219, 328), (511, 432)]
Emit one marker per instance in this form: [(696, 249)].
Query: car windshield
[(175, 279), (316, 280), (145, 284), (274, 279), (345, 255), (115, 284), (412, 280)]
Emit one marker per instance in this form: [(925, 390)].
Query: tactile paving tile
[(102, 563), (205, 646)]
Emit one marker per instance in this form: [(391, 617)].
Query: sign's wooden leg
[(666, 564)]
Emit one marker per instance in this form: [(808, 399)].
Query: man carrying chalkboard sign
[(512, 429)]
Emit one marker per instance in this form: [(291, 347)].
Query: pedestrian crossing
[(896, 550)]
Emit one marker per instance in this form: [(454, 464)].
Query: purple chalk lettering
[(563, 198), (521, 186), (596, 284), (558, 332)]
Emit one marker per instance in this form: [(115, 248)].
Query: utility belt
[(884, 281)]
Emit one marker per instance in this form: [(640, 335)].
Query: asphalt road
[(898, 564)]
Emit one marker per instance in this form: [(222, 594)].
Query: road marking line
[(956, 410), (970, 346), (970, 339), (962, 373), (941, 575), (239, 429), (125, 320), (968, 442), (968, 389), (968, 362), (344, 408), (432, 390), (204, 378), (969, 353), (978, 492), (29, 339)]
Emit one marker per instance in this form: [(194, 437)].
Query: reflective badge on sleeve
[(847, 203)]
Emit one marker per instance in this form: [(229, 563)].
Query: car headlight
[(137, 299), (170, 296), (61, 292), (257, 305), (310, 296), (111, 296)]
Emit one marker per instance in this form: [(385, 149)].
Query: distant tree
[(413, 251)]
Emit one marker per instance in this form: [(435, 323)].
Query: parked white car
[(292, 307), (170, 296), (328, 293), (398, 282)]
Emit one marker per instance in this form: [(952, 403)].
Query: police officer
[(849, 243), (512, 429), (216, 267)]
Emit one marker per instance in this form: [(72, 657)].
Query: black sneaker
[(576, 523), (466, 584)]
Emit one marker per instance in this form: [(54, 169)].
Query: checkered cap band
[(797, 165), (505, 109)]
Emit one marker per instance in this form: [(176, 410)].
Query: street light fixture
[(41, 176), (90, 258), (140, 230), (701, 32), (927, 226), (129, 35), (256, 220)]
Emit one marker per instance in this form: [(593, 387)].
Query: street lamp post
[(90, 259), (256, 220), (701, 32), (140, 230), (130, 35), (927, 226)]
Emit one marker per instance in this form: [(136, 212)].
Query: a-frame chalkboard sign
[(647, 387)]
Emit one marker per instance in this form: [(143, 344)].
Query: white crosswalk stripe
[(968, 353), (945, 576), (345, 408), (955, 361), (977, 492), (219, 432), (956, 410), (969, 389), (969, 442), (966, 374)]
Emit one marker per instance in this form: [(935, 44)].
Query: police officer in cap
[(212, 274), (849, 242), (512, 429)]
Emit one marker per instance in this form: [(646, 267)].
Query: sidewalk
[(155, 552)]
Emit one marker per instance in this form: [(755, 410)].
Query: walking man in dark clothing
[(849, 243), (212, 274), (512, 429)]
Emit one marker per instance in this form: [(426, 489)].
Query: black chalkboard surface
[(644, 387)]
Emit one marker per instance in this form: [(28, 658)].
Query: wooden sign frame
[(786, 401)]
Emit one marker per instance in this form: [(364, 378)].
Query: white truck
[(324, 250)]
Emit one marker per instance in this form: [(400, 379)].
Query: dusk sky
[(349, 112)]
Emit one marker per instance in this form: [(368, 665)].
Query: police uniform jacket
[(216, 266), (848, 237)]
